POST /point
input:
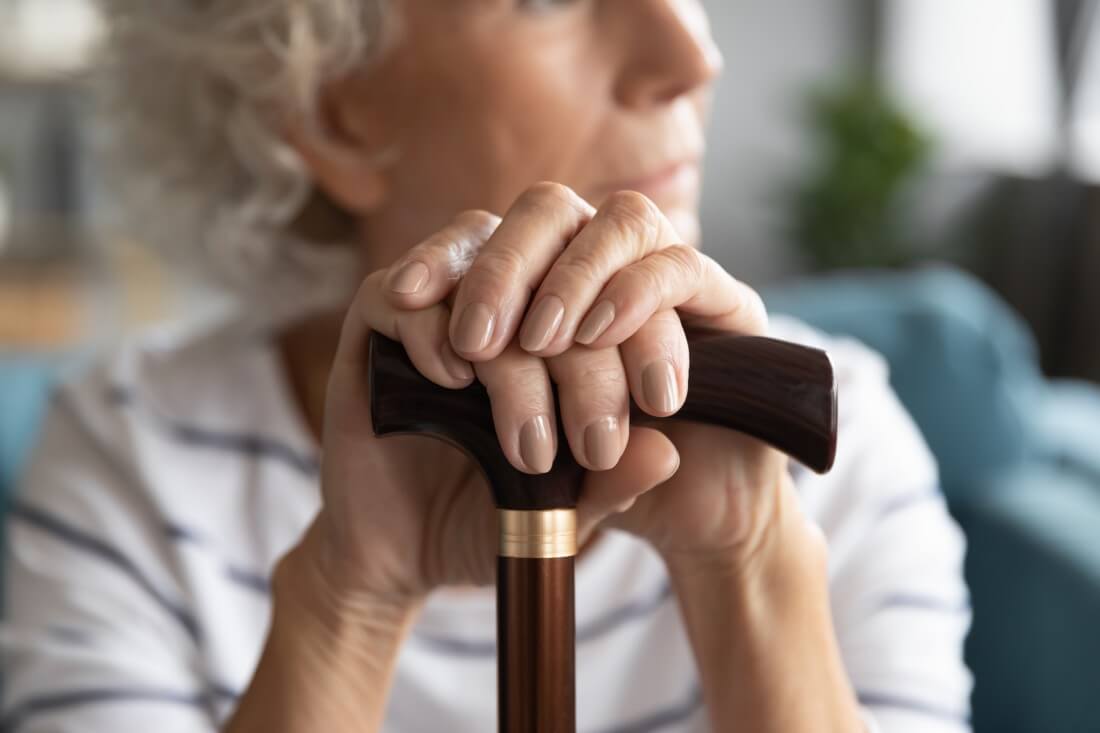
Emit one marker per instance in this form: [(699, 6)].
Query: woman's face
[(482, 98)]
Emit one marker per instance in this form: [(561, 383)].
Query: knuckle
[(644, 283), (640, 282), (523, 383), (478, 220), (602, 378), (602, 405), (754, 307), (634, 213), (662, 336), (687, 262), (527, 376), (549, 194), (582, 266), (670, 329), (500, 264)]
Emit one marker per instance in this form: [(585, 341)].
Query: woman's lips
[(677, 179)]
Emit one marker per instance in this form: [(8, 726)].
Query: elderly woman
[(211, 538)]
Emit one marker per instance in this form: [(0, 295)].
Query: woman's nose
[(670, 51)]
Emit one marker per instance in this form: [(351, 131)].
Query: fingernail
[(457, 367), (542, 324), (536, 444), (596, 323), (659, 386), (601, 443), (411, 278), (475, 328)]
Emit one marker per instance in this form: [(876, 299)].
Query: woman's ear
[(344, 152)]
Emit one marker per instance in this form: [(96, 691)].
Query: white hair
[(194, 93)]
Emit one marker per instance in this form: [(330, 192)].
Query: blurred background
[(920, 174)]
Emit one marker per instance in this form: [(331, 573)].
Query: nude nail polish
[(659, 386), (536, 444), (456, 366), (596, 323), (475, 328), (601, 443), (542, 324), (411, 278)]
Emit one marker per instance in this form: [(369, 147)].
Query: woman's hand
[(595, 301), (611, 292), (403, 515)]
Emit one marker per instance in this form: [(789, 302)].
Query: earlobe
[(344, 160)]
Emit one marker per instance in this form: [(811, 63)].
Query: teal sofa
[(1020, 462), (25, 383)]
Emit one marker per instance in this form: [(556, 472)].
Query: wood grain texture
[(536, 641), (781, 393)]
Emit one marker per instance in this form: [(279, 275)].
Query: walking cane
[(777, 392)]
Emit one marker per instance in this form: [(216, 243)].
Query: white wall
[(982, 77), (775, 50)]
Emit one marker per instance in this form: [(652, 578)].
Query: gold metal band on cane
[(538, 534)]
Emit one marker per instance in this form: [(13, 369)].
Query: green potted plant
[(851, 208)]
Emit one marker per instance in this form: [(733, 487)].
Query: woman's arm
[(896, 609), (763, 635), (329, 657)]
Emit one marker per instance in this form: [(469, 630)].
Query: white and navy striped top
[(170, 478)]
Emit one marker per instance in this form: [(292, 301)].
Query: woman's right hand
[(403, 515)]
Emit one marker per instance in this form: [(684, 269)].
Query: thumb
[(649, 460)]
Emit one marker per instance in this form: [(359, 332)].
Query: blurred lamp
[(45, 37), (982, 76)]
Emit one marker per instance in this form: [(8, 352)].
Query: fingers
[(679, 277), (423, 333), (593, 403), (523, 408), (594, 388), (493, 296), (657, 364), (625, 230), (427, 273), (649, 460)]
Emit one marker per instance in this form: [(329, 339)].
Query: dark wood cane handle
[(775, 391), (781, 393)]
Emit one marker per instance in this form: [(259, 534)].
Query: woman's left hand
[(617, 278)]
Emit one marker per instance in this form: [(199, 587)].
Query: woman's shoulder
[(178, 369), (220, 373), (178, 427), (205, 390)]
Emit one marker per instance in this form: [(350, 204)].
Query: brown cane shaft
[(780, 393), (536, 637)]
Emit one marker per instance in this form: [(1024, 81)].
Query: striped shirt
[(171, 477)]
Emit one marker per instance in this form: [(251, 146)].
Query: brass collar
[(538, 534)]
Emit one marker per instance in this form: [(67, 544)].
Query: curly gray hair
[(195, 90)]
